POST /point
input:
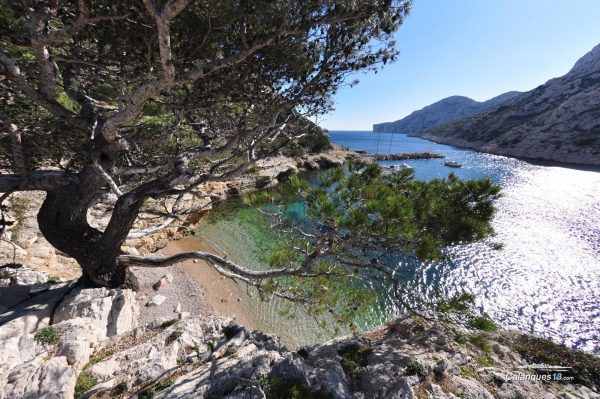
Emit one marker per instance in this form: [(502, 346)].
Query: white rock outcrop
[(115, 309), (47, 340), (156, 300)]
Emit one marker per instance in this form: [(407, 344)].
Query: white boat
[(453, 164), (402, 166)]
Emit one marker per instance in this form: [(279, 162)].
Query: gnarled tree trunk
[(63, 222)]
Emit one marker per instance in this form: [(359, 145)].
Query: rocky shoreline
[(557, 121), (95, 346), (60, 340), (23, 242), (404, 156)]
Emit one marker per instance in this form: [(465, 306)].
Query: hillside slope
[(444, 111), (558, 121)]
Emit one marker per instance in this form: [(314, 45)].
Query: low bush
[(48, 335)]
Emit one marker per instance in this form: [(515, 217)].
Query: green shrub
[(121, 388), (48, 335), (483, 323), (174, 336), (210, 346), (53, 280), (469, 372), (230, 352), (485, 361), (354, 357), (147, 394), (164, 384), (460, 338), (480, 341), (85, 382), (416, 368), (168, 323)]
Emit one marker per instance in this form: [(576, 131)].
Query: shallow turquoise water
[(546, 279)]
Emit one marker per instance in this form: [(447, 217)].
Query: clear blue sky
[(474, 48)]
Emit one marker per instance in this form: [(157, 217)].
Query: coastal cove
[(544, 280)]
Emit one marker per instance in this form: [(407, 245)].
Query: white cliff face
[(99, 342), (557, 121)]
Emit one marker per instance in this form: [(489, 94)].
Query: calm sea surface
[(545, 279)]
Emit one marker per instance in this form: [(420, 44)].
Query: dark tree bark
[(63, 222), (100, 67)]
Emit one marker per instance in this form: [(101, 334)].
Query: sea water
[(545, 279)]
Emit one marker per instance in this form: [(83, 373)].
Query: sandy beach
[(222, 295)]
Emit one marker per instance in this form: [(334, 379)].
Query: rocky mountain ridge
[(557, 121), (444, 111)]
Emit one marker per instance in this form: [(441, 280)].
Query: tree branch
[(165, 223), (13, 73), (17, 150), (37, 180), (132, 260), (111, 183)]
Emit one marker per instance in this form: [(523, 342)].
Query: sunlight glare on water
[(545, 279)]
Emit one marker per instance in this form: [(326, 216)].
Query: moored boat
[(453, 164)]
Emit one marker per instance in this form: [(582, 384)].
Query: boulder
[(327, 162), (164, 281), (471, 389), (156, 300), (116, 310), (41, 378), (15, 274), (34, 313)]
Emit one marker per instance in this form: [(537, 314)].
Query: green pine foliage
[(357, 216)]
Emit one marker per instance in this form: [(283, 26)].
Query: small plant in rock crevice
[(147, 394), (48, 335), (231, 352), (416, 368), (174, 336), (85, 382)]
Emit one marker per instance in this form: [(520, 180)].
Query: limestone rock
[(34, 313), (20, 275), (556, 121), (326, 162), (164, 281), (116, 310), (49, 379), (156, 300)]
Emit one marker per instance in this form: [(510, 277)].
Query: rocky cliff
[(444, 111), (557, 121), (89, 343)]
